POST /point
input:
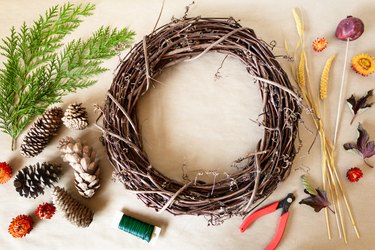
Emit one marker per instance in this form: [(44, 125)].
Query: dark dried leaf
[(364, 146), (350, 145), (318, 201), (360, 104)]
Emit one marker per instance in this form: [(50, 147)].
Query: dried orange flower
[(363, 64), (5, 172), (20, 226), (320, 44)]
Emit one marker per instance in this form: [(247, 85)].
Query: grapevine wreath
[(260, 172)]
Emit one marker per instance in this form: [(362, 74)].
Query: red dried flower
[(354, 174), (5, 172), (320, 44), (20, 226), (45, 211)]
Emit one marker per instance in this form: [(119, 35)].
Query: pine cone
[(82, 159), (31, 181), (73, 210), (41, 132), (75, 117)]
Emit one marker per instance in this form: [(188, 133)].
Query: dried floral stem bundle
[(331, 180), (186, 40)]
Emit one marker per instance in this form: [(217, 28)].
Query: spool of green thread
[(136, 227)]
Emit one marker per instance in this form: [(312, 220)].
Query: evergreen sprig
[(39, 70)]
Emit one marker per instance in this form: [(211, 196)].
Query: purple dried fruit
[(350, 28)]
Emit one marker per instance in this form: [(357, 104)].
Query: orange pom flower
[(320, 44), (20, 226), (363, 64), (45, 211), (5, 172)]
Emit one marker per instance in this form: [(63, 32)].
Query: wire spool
[(136, 227), (259, 173)]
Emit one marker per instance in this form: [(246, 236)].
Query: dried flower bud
[(20, 226), (320, 44), (354, 174), (363, 64), (350, 28), (5, 172), (45, 211)]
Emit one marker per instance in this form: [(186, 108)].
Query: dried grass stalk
[(173, 43)]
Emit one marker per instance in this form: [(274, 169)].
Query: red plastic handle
[(279, 233), (252, 217)]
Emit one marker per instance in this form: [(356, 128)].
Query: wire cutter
[(284, 204)]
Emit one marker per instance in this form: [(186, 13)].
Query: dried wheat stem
[(334, 202), (339, 108), (332, 169), (326, 208), (324, 174), (346, 203), (335, 194)]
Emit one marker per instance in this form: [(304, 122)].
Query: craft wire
[(136, 227)]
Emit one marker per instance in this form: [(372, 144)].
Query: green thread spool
[(136, 227)]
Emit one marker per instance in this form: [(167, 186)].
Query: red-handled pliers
[(284, 204)]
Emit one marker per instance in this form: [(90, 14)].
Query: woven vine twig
[(188, 39)]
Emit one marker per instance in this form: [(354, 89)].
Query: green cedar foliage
[(39, 69)]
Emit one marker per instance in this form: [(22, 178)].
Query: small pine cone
[(31, 181), (41, 132), (73, 210), (82, 159), (75, 117)]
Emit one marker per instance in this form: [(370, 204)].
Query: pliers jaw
[(285, 203)]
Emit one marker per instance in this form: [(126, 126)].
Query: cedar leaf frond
[(39, 69)]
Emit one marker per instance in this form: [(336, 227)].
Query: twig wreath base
[(260, 172)]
